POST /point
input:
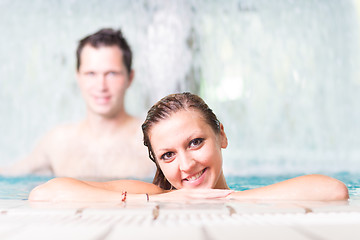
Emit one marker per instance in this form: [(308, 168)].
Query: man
[(108, 142)]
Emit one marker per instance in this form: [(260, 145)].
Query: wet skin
[(189, 151)]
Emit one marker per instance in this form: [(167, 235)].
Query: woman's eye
[(167, 156), (196, 142)]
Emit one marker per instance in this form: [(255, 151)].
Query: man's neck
[(105, 126)]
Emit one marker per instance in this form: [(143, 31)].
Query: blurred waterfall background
[(282, 75)]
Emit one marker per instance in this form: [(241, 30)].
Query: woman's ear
[(223, 138)]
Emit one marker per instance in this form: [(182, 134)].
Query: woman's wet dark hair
[(106, 37), (163, 109)]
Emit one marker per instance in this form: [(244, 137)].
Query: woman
[(184, 140)]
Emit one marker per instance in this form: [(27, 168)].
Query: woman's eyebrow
[(193, 135)]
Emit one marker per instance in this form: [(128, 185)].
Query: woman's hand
[(191, 194)]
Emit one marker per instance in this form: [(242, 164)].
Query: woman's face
[(188, 150)]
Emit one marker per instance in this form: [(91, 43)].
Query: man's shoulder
[(64, 130), (134, 126), (55, 138), (135, 121)]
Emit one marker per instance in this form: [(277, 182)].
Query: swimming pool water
[(19, 187)]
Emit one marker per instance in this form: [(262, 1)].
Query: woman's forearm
[(309, 187), (69, 189)]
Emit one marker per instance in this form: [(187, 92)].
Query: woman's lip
[(195, 182), (196, 176)]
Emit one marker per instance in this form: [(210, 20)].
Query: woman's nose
[(186, 162)]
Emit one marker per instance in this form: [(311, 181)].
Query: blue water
[(19, 187)]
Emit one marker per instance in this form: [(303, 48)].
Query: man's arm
[(37, 162)]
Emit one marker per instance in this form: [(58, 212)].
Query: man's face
[(103, 80)]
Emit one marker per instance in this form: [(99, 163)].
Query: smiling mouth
[(196, 176), (102, 100)]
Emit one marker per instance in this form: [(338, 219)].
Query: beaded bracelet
[(123, 195)]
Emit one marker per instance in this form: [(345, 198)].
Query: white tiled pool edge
[(197, 220)]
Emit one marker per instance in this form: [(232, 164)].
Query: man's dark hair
[(106, 37)]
